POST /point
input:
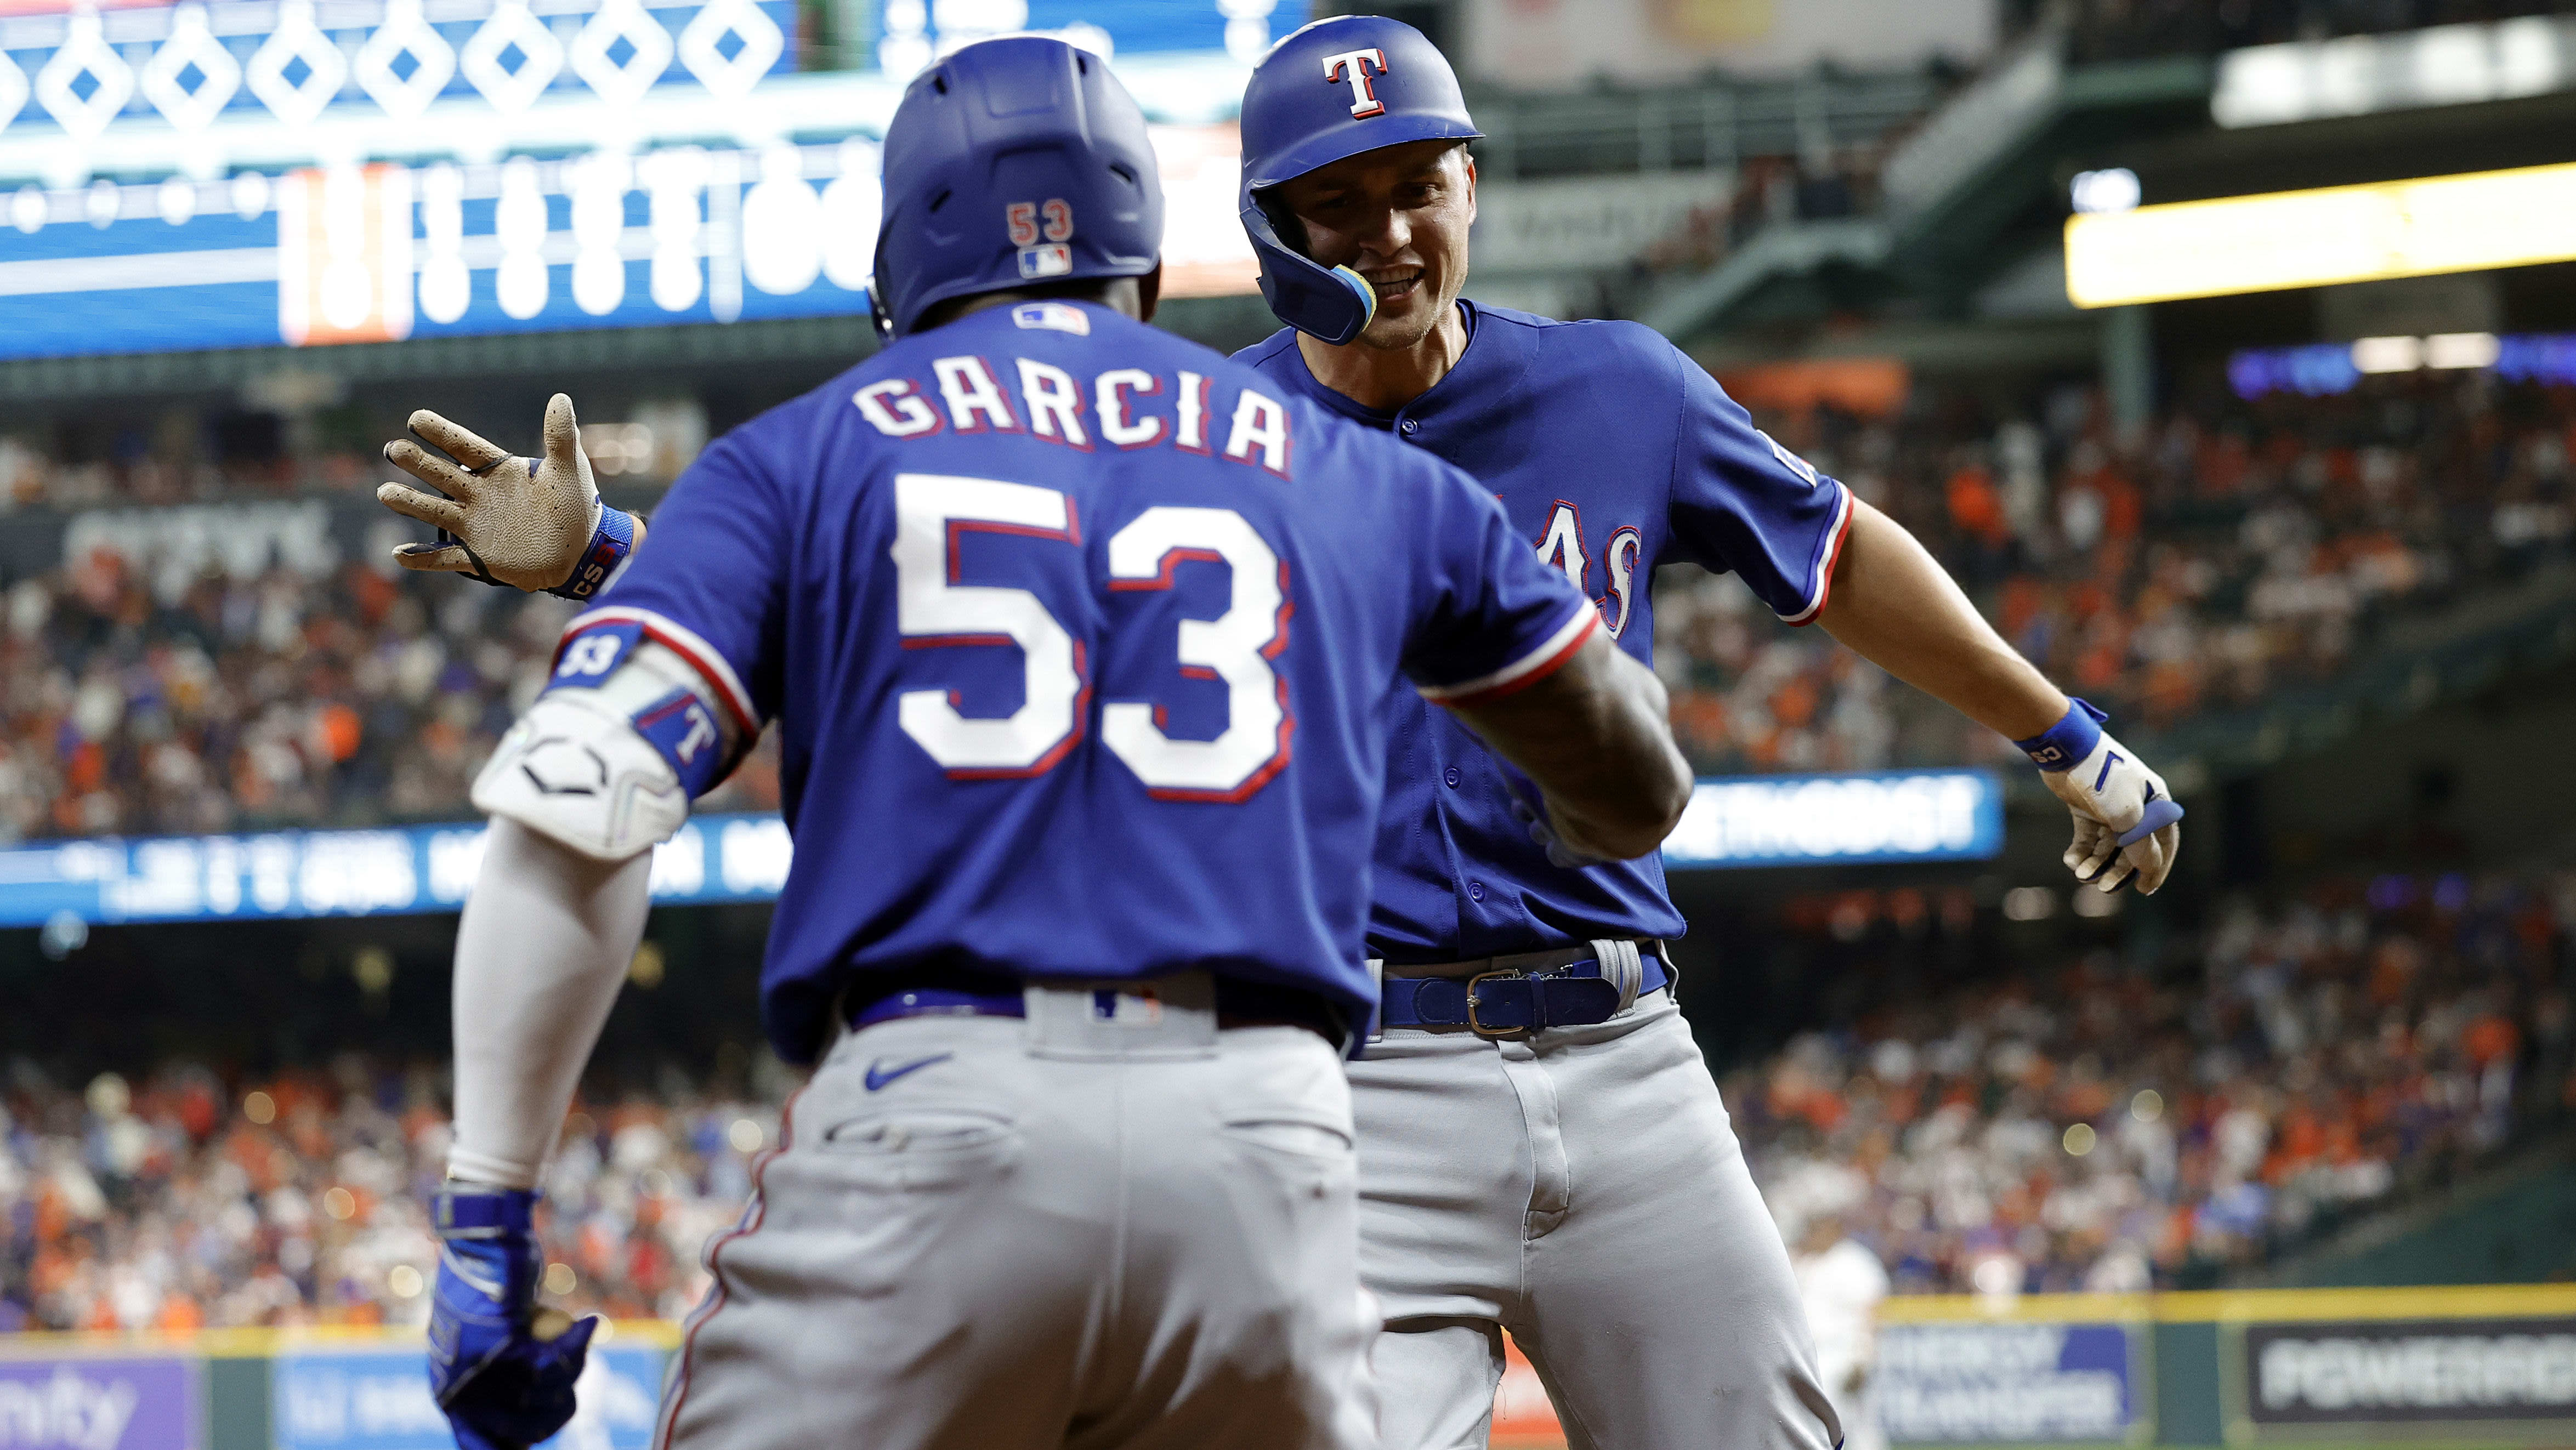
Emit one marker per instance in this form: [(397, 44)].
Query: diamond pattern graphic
[(512, 87), (297, 38), (757, 46), (191, 47), (405, 33), (648, 48), (85, 52), (13, 90)]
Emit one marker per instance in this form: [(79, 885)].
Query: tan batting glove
[(521, 521)]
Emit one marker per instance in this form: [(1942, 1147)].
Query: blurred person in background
[(1840, 1281)]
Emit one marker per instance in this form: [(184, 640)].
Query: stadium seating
[(2087, 1124), (2237, 549), (2078, 1125)]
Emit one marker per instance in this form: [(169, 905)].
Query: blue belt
[(1509, 1003)]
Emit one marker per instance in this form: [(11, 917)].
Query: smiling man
[(1539, 1154)]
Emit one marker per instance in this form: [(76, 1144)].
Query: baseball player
[(1084, 643), (1571, 1176), (1542, 1148)]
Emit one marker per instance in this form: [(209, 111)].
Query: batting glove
[(2127, 824), (533, 523), (502, 1369)]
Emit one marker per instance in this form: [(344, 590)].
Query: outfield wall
[(2450, 1366)]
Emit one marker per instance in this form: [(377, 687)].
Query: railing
[(1712, 125)]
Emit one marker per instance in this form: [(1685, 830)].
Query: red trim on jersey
[(684, 642), (1825, 573), (1519, 678)]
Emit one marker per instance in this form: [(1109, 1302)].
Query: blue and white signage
[(1952, 815), (1829, 820), (323, 1399), (235, 173), (714, 858), (2004, 1383), (387, 251)]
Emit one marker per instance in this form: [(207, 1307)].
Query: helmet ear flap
[(1332, 305)]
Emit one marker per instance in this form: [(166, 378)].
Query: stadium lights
[(2319, 369), (2465, 223), (2114, 189)]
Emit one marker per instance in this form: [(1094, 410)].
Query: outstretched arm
[(1595, 736), (1896, 607), (1899, 609), (536, 524)]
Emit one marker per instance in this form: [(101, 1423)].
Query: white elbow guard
[(607, 765)]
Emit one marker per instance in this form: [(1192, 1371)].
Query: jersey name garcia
[(1083, 644), (1613, 453)]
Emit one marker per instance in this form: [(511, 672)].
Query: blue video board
[(1741, 821), (240, 173)]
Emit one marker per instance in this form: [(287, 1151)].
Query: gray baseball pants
[(1095, 1230), (1582, 1189)]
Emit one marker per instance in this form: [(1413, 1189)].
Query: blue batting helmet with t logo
[(1011, 162), (1331, 90)]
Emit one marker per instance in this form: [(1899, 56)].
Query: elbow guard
[(608, 759)]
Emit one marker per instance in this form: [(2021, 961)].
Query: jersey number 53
[(1235, 648)]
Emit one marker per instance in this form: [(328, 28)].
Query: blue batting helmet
[(1012, 161), (1333, 89)]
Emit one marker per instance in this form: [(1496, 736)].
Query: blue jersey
[(1613, 453), (1084, 643)]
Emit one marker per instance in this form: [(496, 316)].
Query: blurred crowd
[(170, 679), (2098, 1125), (2228, 550), (286, 693), (2117, 30), (182, 1201), (2102, 1128)]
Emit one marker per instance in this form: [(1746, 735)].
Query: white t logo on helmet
[(1356, 63)]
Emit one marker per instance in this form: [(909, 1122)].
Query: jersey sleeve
[(1489, 618), (710, 579), (1741, 503)]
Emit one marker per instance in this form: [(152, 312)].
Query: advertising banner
[(1807, 820), (2053, 1384), (2410, 1372), (378, 1399), (100, 1403)]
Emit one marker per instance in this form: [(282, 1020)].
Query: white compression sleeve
[(543, 947)]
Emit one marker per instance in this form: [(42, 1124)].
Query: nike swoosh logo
[(878, 1076)]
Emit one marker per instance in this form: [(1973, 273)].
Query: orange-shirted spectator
[(1976, 509)]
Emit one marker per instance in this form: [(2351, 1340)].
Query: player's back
[(1084, 642)]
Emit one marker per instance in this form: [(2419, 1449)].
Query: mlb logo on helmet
[(1028, 133)]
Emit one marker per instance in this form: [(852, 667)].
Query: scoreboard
[(254, 172)]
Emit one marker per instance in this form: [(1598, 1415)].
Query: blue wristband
[(610, 543), (482, 1212), (2071, 739)]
